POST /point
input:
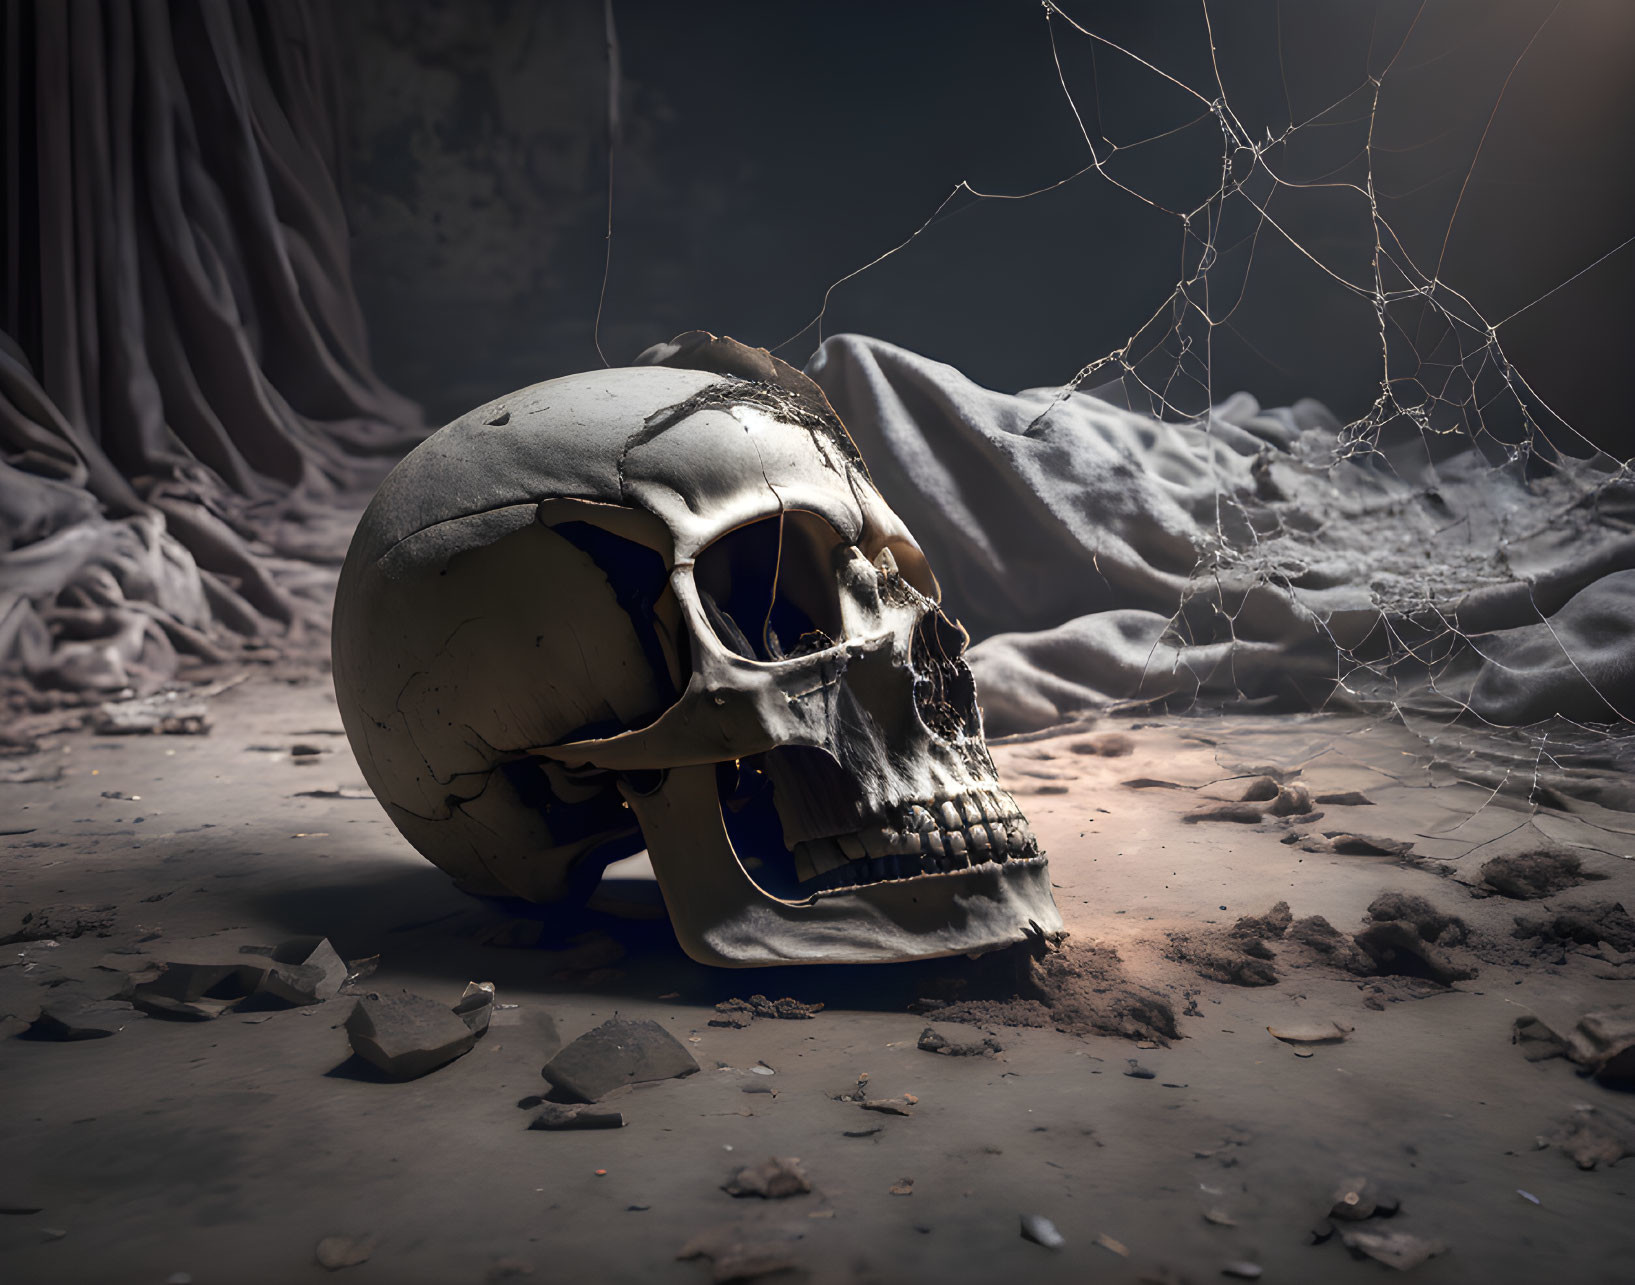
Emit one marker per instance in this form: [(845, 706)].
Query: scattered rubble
[(1328, 941), (1292, 800), (615, 1054), (293, 974), (932, 1042), (1593, 1138), (739, 1013), (1360, 1197), (405, 1035), (775, 1178), (1602, 1043), (58, 923), (1408, 937), (1589, 924), (476, 1006), (1396, 1249), (558, 1116), (1241, 813), (1344, 799), (167, 714), (81, 1019), (1532, 876), (890, 1106)]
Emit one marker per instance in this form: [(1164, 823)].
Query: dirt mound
[(1586, 925), (1239, 956), (1532, 876), (1079, 989)]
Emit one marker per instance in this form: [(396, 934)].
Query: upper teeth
[(947, 834)]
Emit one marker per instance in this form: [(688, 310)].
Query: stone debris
[(933, 1042), (406, 1035), (1396, 948), (733, 1258), (557, 1116), (1241, 813), (336, 1252), (304, 970), (1393, 1248), (198, 991), (890, 1106), (1219, 1218), (1292, 800), (476, 1006), (80, 1018), (167, 713), (1359, 1198), (1041, 1231), (1138, 1072), (1407, 938), (1592, 1138), (1601, 1043), (1242, 1270), (902, 1187), (58, 923), (1532, 876), (775, 1178), (1344, 799), (615, 1054), (739, 1013), (1536, 1040), (1327, 940), (1346, 844), (293, 974), (1595, 923), (1262, 789)]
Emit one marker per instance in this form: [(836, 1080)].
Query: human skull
[(666, 606)]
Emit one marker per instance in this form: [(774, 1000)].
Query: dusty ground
[(226, 1150)]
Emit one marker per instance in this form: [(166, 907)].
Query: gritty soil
[(1390, 918)]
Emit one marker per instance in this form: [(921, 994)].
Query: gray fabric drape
[(185, 387), (1098, 555)]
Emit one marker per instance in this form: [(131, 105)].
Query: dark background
[(767, 150)]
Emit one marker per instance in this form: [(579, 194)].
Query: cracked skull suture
[(665, 607)]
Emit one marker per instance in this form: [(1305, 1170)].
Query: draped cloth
[(185, 388), (1257, 557)]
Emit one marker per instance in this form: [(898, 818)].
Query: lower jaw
[(965, 912), (721, 917)]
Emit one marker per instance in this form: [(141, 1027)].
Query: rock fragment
[(1344, 799), (1532, 876), (1592, 1138), (82, 1019), (931, 1041), (775, 1178), (1240, 813), (57, 923), (615, 1054), (406, 1035), (476, 1007), (1393, 1248), (1603, 1043), (557, 1117)]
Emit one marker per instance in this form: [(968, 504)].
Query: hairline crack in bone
[(543, 661)]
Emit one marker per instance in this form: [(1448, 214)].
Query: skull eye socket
[(769, 588)]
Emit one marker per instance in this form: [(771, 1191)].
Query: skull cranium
[(666, 606)]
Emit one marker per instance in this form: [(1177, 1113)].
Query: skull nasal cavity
[(769, 588)]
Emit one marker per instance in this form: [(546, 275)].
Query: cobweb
[(1496, 473)]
